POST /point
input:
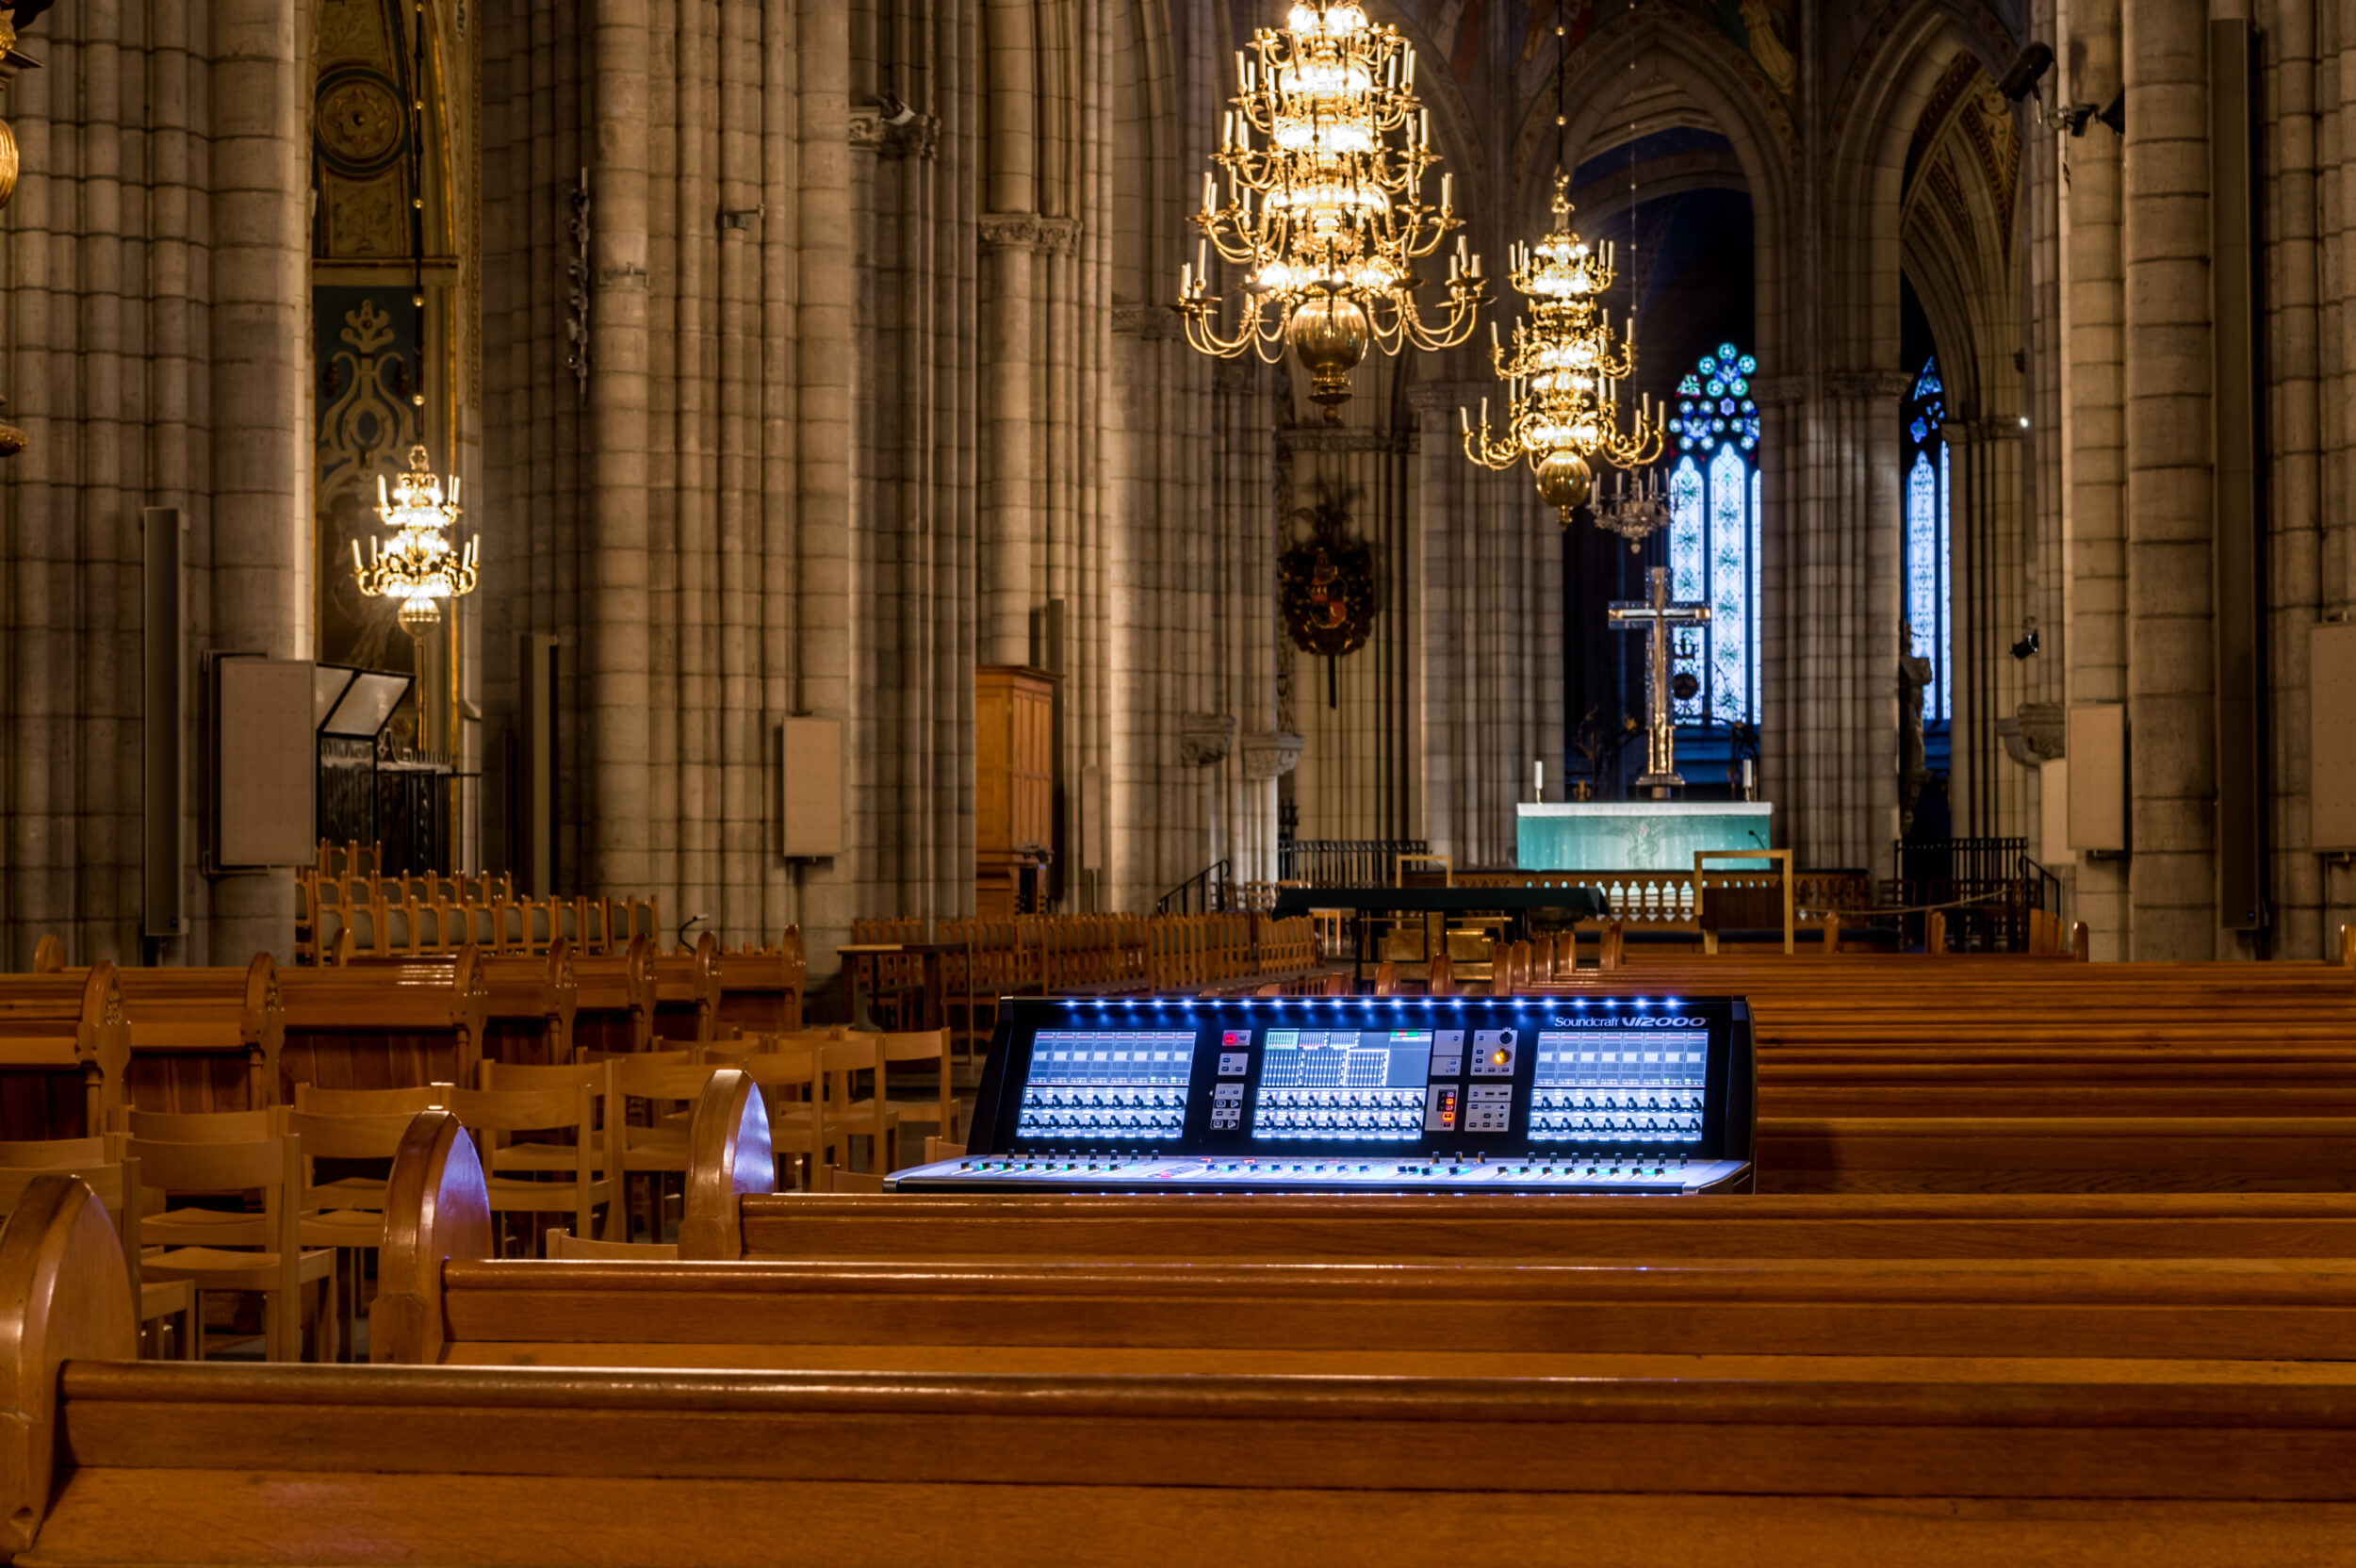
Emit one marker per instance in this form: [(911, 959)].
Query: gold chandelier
[(1562, 372), (1325, 152), (419, 565)]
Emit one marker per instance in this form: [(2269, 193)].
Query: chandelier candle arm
[(1326, 150)]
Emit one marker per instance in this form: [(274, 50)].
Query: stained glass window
[(1713, 535), (1925, 575)]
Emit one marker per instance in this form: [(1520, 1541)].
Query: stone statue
[(1914, 675)]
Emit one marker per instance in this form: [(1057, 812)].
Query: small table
[(851, 953), (1516, 904)]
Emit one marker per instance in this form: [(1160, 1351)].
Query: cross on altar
[(1657, 616)]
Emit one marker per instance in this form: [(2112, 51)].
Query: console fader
[(1363, 1094)]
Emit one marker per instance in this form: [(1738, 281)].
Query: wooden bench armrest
[(729, 1156), (436, 1207), (65, 1294)]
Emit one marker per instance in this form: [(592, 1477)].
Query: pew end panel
[(65, 1295), (436, 1207), (729, 1156)]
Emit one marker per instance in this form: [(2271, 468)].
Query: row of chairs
[(267, 1203)]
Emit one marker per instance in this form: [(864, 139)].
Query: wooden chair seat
[(219, 1269)]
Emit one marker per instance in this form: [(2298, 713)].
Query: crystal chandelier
[(1635, 512), (1562, 372), (418, 566), (1325, 152)]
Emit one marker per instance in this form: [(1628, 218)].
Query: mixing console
[(1580, 1094)]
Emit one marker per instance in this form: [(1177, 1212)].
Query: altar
[(1635, 835)]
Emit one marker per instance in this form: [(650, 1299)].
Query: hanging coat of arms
[(1325, 585)]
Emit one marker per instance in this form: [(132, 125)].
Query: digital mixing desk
[(1360, 1094)]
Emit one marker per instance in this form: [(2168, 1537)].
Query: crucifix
[(1657, 616)]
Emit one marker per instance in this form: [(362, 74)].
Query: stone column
[(2303, 927), (1834, 516), (1988, 789), (2094, 395), (616, 657), (2170, 681), (1010, 236), (261, 575), (824, 368)]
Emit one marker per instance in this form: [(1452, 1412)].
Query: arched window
[(1713, 536), (1925, 567)]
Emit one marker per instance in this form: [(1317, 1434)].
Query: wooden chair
[(564, 1246), (939, 1110), (792, 1089), (117, 1184), (840, 1180), (844, 1113), (578, 1184), (658, 1146), (346, 1216), (595, 1075), (261, 1253)]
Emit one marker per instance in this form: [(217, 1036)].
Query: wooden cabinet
[(1014, 795)]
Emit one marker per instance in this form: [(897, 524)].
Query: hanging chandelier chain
[(419, 565)]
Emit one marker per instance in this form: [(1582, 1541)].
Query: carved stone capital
[(1999, 427), (1447, 397), (914, 138), (1779, 391), (1029, 231), (1869, 386), (1269, 754), (1205, 739), (1345, 438), (1150, 322), (2037, 733)]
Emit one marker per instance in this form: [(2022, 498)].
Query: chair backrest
[(348, 1137), (367, 1102), (271, 1167), (524, 1110), (920, 1045), (784, 1068), (53, 1154), (840, 1180), (242, 1127), (634, 1080), (563, 1244)]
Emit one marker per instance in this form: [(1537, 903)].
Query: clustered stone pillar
[(261, 575), (2095, 623), (2170, 683), (616, 634)]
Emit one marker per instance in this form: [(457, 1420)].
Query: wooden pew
[(383, 1027), (201, 1039), (734, 1212), (446, 1299), (1762, 1460), (615, 999), (687, 993), (760, 987), (64, 1049), (530, 1001)]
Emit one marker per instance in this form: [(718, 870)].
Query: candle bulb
[(1202, 259), (1243, 72), (1448, 191), (1476, 264), (1206, 190)]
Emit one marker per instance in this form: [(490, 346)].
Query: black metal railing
[(1984, 888), (1206, 892), (1343, 862)]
